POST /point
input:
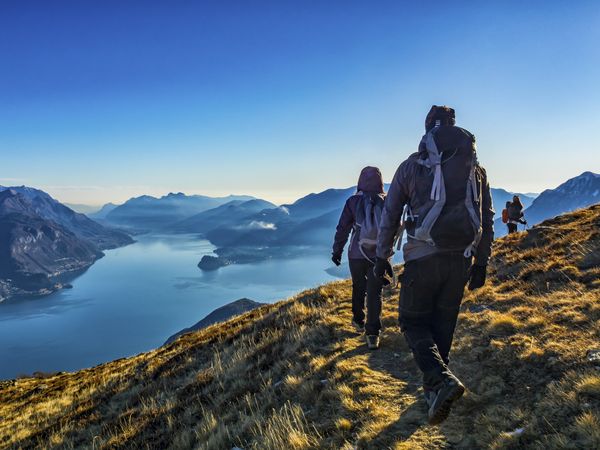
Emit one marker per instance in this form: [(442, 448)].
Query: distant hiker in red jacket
[(444, 196), (361, 216)]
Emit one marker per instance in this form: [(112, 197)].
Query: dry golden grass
[(294, 375)]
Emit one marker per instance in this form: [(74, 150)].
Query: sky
[(103, 101)]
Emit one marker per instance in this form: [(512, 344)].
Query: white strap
[(436, 187)]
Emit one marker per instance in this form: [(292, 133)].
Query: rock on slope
[(219, 315), (295, 374)]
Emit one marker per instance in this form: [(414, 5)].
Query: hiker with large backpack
[(441, 197), (514, 213), (361, 216)]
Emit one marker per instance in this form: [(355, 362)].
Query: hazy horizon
[(159, 194)]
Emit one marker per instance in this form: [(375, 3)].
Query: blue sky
[(102, 101)]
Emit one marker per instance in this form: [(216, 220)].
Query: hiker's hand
[(477, 278), (382, 268), (337, 259)]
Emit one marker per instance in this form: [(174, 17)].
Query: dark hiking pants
[(430, 296), (512, 227), (364, 282)]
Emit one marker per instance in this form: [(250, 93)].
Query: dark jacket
[(412, 182), (370, 182), (515, 213), (344, 227)]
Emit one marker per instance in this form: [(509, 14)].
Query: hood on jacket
[(370, 180), (444, 114)]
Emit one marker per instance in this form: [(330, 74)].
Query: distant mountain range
[(229, 214), (311, 220), (42, 241), (102, 212), (578, 192), (83, 209), (153, 213), (501, 196)]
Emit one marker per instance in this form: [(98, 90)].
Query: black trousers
[(430, 296), (512, 227), (364, 282)]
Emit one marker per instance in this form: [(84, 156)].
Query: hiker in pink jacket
[(361, 216)]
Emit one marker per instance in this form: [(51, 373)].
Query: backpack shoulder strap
[(360, 211)]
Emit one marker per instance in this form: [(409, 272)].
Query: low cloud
[(258, 225)]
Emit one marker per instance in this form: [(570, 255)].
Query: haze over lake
[(134, 298)]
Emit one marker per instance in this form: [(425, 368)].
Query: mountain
[(83, 227), (278, 226), (279, 232), (501, 196), (156, 213), (221, 314), (317, 231), (43, 242), (577, 192), (35, 252), (317, 204), (295, 374), (80, 208), (228, 215), (102, 212)]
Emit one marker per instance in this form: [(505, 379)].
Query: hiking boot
[(358, 326), (372, 341), (450, 391)]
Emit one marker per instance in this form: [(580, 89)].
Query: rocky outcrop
[(209, 262), (219, 315)]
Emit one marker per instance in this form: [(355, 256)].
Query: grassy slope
[(295, 375)]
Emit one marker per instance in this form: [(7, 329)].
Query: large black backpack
[(445, 210)]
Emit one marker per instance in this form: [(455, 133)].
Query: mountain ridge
[(220, 314), (81, 225), (36, 252), (577, 192), (157, 212), (43, 243)]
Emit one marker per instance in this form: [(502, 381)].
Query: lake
[(134, 298)]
